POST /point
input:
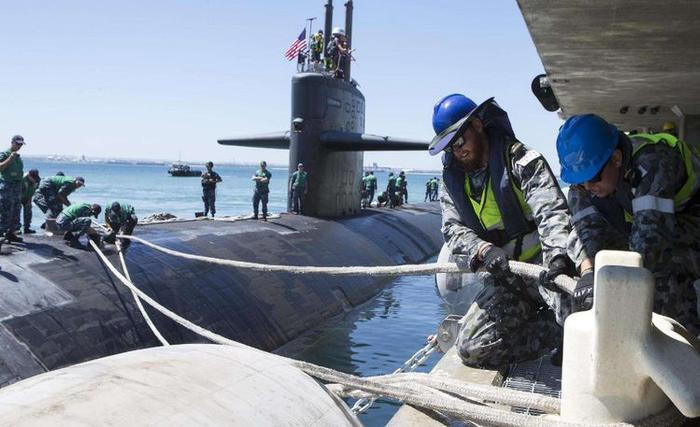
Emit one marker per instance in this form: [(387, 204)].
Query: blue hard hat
[(584, 145), (449, 115)]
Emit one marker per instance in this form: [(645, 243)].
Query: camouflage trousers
[(510, 321), (77, 226), (48, 202), (10, 204), (676, 296), (209, 199)]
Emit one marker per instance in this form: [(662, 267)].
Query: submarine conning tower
[(326, 134)]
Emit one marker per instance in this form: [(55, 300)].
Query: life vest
[(617, 209), (515, 231), (489, 213)]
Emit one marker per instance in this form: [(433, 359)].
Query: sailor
[(209, 180), (636, 193), (372, 180), (428, 190), (75, 221), (316, 47), (53, 193), (404, 186), (337, 53), (262, 189), (30, 183), (399, 188), (121, 219), (391, 190), (434, 185), (500, 201), (669, 127), (298, 186), (11, 169)]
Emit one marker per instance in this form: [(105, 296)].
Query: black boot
[(68, 236), (74, 242), (13, 238), (28, 230)]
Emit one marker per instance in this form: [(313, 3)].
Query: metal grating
[(536, 376)]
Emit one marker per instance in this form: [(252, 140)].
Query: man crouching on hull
[(121, 219), (641, 193), (75, 221), (500, 201)]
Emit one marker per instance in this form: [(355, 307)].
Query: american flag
[(297, 46)]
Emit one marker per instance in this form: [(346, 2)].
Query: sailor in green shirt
[(371, 186), (391, 190), (53, 193), (30, 183), (262, 189), (11, 170), (121, 218), (298, 186), (75, 221)]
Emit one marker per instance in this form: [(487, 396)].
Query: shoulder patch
[(527, 158)]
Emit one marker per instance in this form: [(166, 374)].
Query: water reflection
[(377, 337)]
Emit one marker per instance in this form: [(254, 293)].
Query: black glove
[(583, 292), (560, 264), (495, 261)]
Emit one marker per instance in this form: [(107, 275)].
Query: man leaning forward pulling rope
[(500, 200)]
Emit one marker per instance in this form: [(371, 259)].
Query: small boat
[(178, 169)]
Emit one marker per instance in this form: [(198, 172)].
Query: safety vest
[(617, 209), (691, 162), (489, 213), (317, 42)]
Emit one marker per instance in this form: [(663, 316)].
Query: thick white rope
[(142, 309), (566, 283), (413, 394), (137, 300)]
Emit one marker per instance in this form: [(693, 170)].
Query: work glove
[(495, 261), (583, 292), (560, 264)]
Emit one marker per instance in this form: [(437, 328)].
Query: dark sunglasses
[(599, 175)]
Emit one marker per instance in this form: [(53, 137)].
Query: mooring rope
[(137, 300), (565, 283), (427, 393)]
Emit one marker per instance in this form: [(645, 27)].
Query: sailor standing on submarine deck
[(262, 189), (11, 169), (500, 201), (639, 192)]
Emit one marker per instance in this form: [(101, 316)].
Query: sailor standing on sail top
[(639, 192), (500, 201)]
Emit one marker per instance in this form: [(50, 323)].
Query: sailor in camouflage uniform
[(639, 193), (11, 170), (500, 201)]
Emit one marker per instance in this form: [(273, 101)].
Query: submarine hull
[(61, 306)]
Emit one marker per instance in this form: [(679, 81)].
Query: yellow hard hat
[(668, 126)]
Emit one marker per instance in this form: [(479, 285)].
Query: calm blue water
[(373, 339), (151, 190), (377, 337)]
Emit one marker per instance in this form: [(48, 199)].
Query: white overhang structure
[(636, 63)]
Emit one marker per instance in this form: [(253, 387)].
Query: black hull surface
[(60, 306)]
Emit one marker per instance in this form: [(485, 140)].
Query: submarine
[(61, 306)]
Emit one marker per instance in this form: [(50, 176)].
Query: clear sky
[(154, 79)]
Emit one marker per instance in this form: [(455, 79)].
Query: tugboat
[(179, 169)]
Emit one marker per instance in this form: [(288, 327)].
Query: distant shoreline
[(151, 162)]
